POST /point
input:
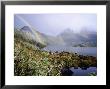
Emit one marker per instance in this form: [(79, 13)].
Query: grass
[(92, 74)]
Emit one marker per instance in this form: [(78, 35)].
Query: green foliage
[(92, 74), (31, 61), (18, 35)]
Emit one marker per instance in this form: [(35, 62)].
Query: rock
[(66, 72), (84, 68), (75, 67)]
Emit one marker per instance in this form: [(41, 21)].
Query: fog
[(53, 24)]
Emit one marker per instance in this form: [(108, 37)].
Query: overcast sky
[(53, 24)]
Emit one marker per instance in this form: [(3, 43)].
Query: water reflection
[(66, 71), (77, 71), (84, 71)]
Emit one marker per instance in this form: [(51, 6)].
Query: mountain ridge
[(67, 37)]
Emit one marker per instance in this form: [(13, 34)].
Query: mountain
[(27, 33), (31, 34), (84, 38), (68, 37), (26, 29), (90, 36), (52, 40)]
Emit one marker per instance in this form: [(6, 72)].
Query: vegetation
[(92, 74), (30, 60)]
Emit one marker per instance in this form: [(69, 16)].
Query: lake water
[(81, 72), (91, 51)]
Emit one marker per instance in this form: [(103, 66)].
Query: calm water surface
[(82, 72), (91, 51)]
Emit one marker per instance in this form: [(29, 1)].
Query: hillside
[(82, 39), (29, 60), (67, 37)]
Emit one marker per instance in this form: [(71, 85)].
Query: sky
[(54, 24)]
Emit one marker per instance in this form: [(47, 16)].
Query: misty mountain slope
[(90, 37), (68, 37), (52, 40), (40, 37), (30, 34), (83, 38), (27, 33)]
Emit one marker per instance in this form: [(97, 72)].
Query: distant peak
[(86, 30), (26, 29), (68, 30)]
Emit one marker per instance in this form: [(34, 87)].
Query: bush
[(31, 61)]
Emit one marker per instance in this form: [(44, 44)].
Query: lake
[(90, 51), (82, 72)]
